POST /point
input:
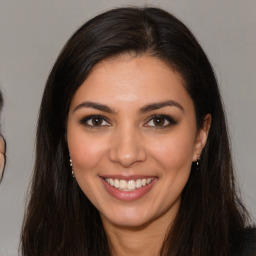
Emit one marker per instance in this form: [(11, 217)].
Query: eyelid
[(171, 121), (84, 121)]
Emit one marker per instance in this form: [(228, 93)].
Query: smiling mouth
[(128, 185)]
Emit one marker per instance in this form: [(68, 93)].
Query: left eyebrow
[(94, 105), (158, 105)]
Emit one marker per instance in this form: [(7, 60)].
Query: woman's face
[(132, 137)]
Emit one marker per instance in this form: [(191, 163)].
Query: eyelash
[(170, 121), (85, 121), (165, 118)]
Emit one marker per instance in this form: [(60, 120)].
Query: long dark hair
[(60, 220)]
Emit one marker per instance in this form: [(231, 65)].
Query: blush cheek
[(175, 154), (86, 153)]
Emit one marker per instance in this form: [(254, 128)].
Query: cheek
[(85, 152), (175, 152)]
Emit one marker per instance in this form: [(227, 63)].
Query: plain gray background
[(33, 32)]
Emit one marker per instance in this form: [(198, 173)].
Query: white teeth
[(129, 185), (138, 183), (149, 180), (123, 184), (111, 182), (116, 183)]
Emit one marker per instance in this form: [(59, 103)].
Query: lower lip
[(128, 195)]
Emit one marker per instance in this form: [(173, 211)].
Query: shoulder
[(245, 242)]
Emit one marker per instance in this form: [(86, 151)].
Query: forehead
[(130, 79)]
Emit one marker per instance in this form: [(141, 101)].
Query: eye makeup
[(95, 121), (161, 121), (155, 121)]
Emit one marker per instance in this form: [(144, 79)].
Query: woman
[(132, 152)]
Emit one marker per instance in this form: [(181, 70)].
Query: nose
[(127, 147)]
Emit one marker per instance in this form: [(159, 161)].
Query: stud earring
[(71, 165), (198, 164)]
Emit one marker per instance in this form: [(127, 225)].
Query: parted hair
[(59, 219)]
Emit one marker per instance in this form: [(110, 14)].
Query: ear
[(201, 137)]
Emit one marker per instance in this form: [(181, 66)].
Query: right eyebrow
[(158, 105), (90, 104)]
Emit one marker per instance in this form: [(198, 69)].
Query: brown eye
[(159, 121), (95, 121)]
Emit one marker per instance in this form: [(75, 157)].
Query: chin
[(129, 218)]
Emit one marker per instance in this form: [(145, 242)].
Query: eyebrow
[(89, 104), (145, 109), (158, 105)]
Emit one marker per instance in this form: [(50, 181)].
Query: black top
[(245, 243)]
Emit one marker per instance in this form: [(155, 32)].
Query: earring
[(71, 165), (198, 164)]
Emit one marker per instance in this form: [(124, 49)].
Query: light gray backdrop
[(32, 34)]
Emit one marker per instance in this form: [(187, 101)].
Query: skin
[(130, 142)]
